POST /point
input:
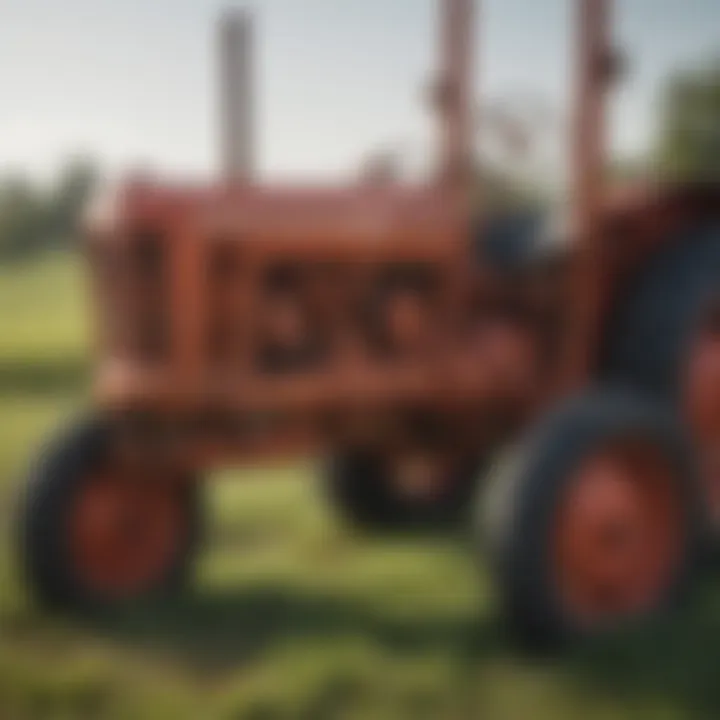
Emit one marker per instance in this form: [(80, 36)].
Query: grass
[(291, 615)]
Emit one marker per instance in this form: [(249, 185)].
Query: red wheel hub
[(701, 400), (618, 534), (124, 533)]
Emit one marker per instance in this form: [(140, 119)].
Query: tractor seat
[(513, 241)]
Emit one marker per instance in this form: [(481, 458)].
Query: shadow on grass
[(675, 663), (222, 630), (43, 376)]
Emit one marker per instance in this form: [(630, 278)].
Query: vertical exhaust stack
[(455, 93), (596, 67), (237, 110)]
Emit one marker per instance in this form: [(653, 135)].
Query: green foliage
[(69, 196), (689, 139), (24, 217), (34, 218)]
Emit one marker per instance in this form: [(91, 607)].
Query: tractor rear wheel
[(598, 522), (96, 533), (664, 341)]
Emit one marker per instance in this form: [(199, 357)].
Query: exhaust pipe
[(454, 93), (596, 68), (237, 111)]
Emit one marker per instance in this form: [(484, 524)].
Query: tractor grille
[(149, 320), (131, 289)]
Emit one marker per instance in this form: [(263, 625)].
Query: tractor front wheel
[(96, 532), (663, 341)]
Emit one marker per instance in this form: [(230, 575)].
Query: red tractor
[(390, 328)]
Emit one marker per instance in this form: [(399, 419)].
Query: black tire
[(43, 518), (529, 489), (653, 325), (359, 488)]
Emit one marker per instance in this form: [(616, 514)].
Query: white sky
[(133, 81)]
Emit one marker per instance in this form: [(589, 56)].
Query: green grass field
[(291, 615)]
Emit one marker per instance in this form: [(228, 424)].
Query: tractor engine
[(261, 320)]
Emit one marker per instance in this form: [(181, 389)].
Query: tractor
[(572, 382)]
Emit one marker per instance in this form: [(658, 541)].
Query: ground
[(291, 614)]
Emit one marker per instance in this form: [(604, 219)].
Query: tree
[(23, 217), (33, 218), (72, 191), (689, 139)]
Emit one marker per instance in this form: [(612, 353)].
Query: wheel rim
[(124, 533), (619, 534), (701, 401)]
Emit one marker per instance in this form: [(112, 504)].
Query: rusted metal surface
[(586, 278), (247, 321), (455, 104), (639, 222)]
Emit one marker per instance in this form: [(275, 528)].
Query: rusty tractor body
[(372, 323)]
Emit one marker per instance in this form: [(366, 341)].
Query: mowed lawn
[(291, 614)]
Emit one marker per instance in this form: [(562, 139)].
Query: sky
[(133, 82)]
